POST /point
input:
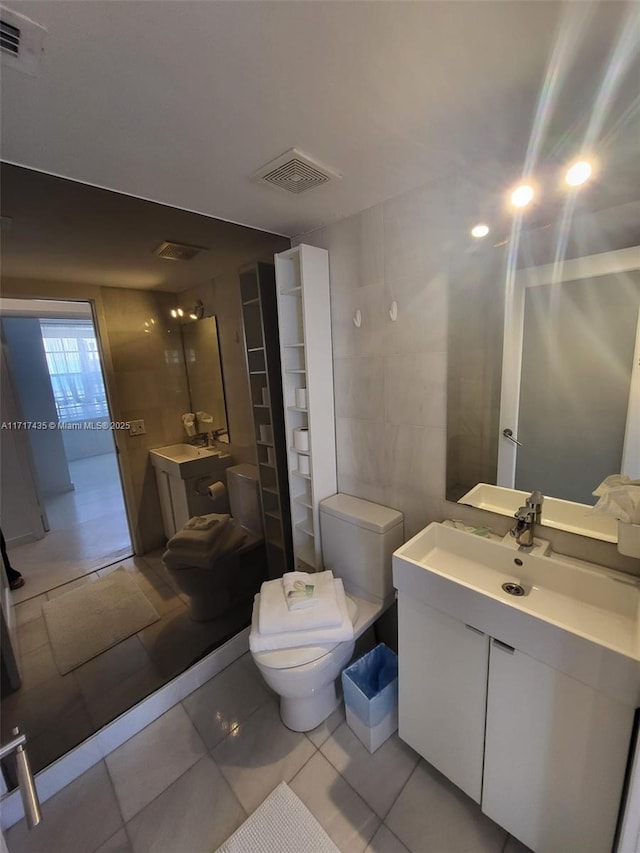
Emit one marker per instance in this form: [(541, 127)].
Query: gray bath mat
[(88, 620)]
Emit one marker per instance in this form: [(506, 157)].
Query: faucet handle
[(535, 499)]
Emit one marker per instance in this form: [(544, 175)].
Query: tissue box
[(370, 688)]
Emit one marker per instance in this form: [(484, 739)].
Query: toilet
[(237, 576), (358, 538)]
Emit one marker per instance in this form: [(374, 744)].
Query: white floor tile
[(260, 753), (194, 815), (345, 817), (433, 816), (384, 841), (378, 777), (319, 735), (227, 700), (119, 843), (76, 820), (148, 763)]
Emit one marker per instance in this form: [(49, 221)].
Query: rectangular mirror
[(557, 368), (204, 373)]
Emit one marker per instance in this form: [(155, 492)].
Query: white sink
[(557, 513), (577, 616), (186, 461)]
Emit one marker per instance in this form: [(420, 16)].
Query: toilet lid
[(288, 658)]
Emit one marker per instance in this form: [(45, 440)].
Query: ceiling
[(181, 102)]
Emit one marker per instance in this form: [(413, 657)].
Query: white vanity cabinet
[(555, 755), (442, 669), (542, 752)]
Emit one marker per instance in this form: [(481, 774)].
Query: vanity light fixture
[(522, 195), (177, 312), (197, 312), (480, 230), (578, 173)]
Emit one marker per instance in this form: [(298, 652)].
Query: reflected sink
[(186, 461), (557, 513), (463, 575)]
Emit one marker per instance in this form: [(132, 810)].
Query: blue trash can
[(370, 688)]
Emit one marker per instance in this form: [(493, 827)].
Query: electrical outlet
[(137, 427)]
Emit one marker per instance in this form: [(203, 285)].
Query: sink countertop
[(578, 617)]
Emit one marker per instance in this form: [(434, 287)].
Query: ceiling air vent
[(295, 173), (178, 251), (20, 42)]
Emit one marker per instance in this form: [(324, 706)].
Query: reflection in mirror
[(204, 374), (562, 380)]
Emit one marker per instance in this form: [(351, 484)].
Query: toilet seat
[(300, 655)]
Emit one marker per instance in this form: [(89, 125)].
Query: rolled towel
[(203, 522), (275, 617), (198, 540), (300, 590), (259, 642)]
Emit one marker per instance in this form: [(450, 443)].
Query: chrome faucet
[(527, 517)]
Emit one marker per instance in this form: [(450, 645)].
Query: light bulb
[(522, 195), (174, 313), (480, 230), (578, 173), (180, 312)]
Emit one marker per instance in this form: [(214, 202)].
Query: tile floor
[(188, 780), (57, 712), (88, 530)]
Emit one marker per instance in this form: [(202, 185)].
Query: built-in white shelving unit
[(304, 318)]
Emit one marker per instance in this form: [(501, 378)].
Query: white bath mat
[(88, 620), (282, 824)]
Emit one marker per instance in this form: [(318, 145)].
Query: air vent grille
[(9, 38), (172, 251), (295, 173), (21, 42)]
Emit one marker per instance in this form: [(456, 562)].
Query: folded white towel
[(275, 617), (259, 642), (199, 540), (202, 522), (301, 589)]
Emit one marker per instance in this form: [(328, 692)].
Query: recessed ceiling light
[(578, 173), (480, 230), (522, 195)]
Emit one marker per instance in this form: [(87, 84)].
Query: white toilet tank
[(244, 497), (358, 538)]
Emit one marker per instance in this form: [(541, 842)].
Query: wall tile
[(348, 340), (359, 388), (415, 389)]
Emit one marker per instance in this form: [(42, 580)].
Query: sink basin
[(557, 513), (186, 461), (577, 616)]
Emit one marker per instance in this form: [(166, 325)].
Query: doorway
[(62, 426)]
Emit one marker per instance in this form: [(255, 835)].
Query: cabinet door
[(555, 756), (442, 691)]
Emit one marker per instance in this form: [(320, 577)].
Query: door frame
[(30, 289)]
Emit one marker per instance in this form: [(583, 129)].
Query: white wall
[(28, 366)]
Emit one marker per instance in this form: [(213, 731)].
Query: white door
[(555, 756), (442, 669)]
